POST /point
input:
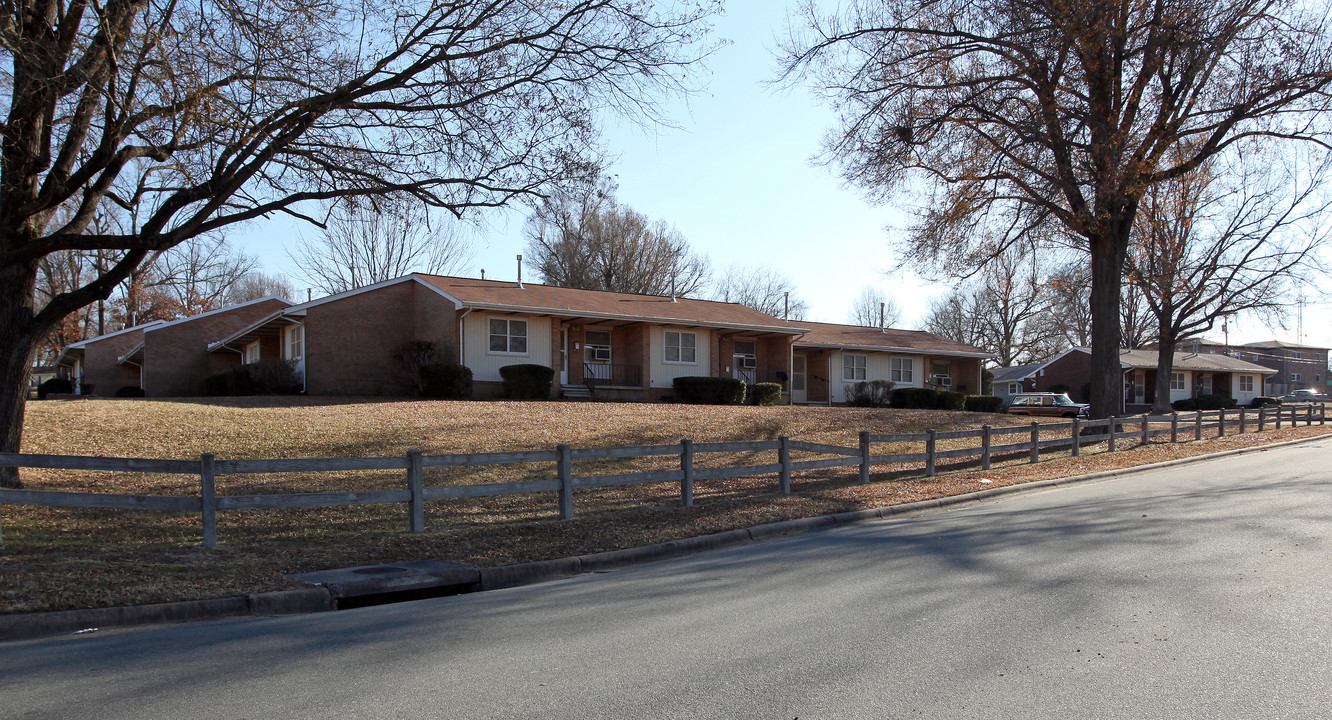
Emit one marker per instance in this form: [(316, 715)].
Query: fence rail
[(1038, 437)]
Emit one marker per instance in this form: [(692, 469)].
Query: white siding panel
[(663, 374), (878, 366), (484, 364), (1243, 398), (1187, 392)]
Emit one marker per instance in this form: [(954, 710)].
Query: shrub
[(875, 393), (709, 390), (1265, 401), (984, 403), (950, 400), (527, 381), (917, 398), (413, 355), (274, 376), (241, 382), (86, 388), (446, 381), (54, 386), (129, 391), (1215, 402), (214, 386), (1184, 405), (765, 393)]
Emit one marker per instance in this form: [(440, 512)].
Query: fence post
[(784, 457), (1322, 414), (1197, 424), (1279, 417), (687, 469), (1244, 420), (208, 495), (929, 452), (416, 489), (1308, 415), (1114, 426), (864, 456), (1144, 426), (1221, 422), (564, 468), (1262, 418), (1035, 442), (1077, 436), (1174, 426), (985, 447)]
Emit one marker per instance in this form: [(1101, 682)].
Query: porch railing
[(607, 374)]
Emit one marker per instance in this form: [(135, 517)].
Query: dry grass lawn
[(53, 558)]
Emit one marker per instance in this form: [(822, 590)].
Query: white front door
[(564, 357), (797, 379)]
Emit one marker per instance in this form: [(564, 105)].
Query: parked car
[(1307, 395), (1047, 404)]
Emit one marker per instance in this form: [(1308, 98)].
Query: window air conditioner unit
[(943, 380), (748, 363)]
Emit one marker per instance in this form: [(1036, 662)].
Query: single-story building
[(164, 359), (1193, 375), (828, 360), (613, 346), (1009, 381)]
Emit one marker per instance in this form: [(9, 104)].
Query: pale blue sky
[(737, 180)]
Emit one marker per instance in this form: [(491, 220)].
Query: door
[(564, 357), (797, 379)]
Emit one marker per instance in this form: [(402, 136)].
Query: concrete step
[(575, 392)]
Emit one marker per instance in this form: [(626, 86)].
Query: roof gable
[(885, 340)]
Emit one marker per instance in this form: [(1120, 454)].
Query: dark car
[(1046, 404)]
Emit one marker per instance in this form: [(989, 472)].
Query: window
[(1014, 388), (1296, 377), (1177, 381), (745, 353), (901, 370), (1246, 383), (295, 342), (853, 367), (1296, 355), (681, 347), (252, 353), (597, 346), (508, 336)]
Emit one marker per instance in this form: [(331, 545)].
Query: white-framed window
[(1177, 381), (1246, 383), (901, 370), (681, 347), (508, 337), (597, 346), (853, 367), (745, 354), (252, 353), (1014, 388), (1296, 377), (294, 342), (1296, 355)]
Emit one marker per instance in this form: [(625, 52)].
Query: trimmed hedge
[(129, 391), (54, 386), (915, 398), (951, 400), (527, 381), (445, 381), (872, 394), (984, 403), (1265, 401), (214, 386), (274, 376), (765, 393), (697, 390), (1203, 402)]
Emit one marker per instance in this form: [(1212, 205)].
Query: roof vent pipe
[(520, 272), (673, 288), (881, 316), (786, 305), (483, 273)]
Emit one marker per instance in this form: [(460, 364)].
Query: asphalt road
[(1193, 592)]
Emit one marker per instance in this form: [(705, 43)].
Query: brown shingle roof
[(1207, 362), (570, 302), (828, 334)]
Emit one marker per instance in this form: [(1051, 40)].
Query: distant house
[(613, 346), (164, 359), (1193, 374), (828, 360), (1296, 366), (1009, 381)]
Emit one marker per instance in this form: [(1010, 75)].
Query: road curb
[(317, 599)]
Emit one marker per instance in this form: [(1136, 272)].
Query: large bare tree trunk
[(1165, 366), (1107, 260), (18, 343)]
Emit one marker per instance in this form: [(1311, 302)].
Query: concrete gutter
[(316, 599)]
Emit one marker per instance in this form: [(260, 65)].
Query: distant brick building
[(1297, 366)]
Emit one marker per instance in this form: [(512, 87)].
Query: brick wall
[(176, 356), (100, 369), (1074, 369)]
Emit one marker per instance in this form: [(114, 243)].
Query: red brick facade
[(176, 356), (102, 374)]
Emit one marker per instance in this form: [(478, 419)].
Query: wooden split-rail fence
[(1040, 437)]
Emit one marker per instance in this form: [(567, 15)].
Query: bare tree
[(202, 115), (1004, 311), (960, 315), (364, 243), (255, 285), (201, 271), (762, 288), (1025, 120), (1224, 240), (873, 308), (582, 238)]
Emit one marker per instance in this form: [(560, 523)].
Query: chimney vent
[(520, 272)]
